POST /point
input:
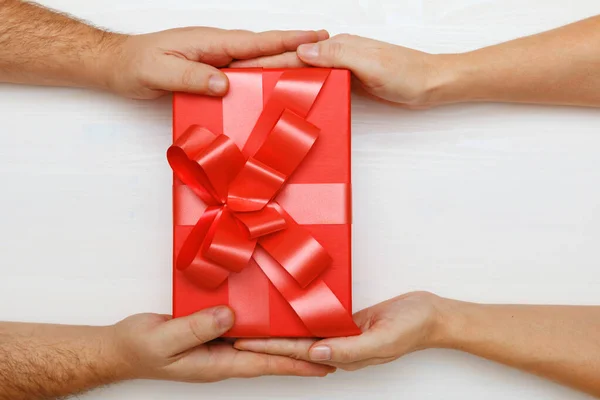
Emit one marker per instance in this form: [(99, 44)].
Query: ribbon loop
[(221, 161), (191, 261), (289, 142), (206, 163)]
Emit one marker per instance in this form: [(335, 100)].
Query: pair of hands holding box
[(46, 361), (411, 79), (390, 329)]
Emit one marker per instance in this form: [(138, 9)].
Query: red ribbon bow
[(243, 221)]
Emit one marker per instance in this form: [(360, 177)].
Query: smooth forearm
[(561, 343), (39, 361), (561, 66), (39, 46)]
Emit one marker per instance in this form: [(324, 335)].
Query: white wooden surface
[(488, 202)]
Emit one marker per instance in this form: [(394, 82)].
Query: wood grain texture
[(487, 202)]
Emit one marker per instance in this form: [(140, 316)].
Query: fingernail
[(217, 84), (308, 50), (223, 317), (320, 353)]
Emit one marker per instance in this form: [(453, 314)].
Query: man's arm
[(561, 66), (561, 343), (39, 46), (43, 47), (50, 361)]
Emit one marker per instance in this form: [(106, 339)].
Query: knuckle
[(276, 366), (271, 42), (241, 31), (197, 329), (335, 50), (346, 355), (297, 355), (299, 349), (422, 294), (262, 47), (262, 367), (188, 78), (300, 352), (269, 367), (342, 37)]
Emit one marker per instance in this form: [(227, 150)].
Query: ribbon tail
[(317, 306)]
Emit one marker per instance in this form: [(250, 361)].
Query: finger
[(341, 51), (245, 45), (348, 349), (181, 334), (285, 60), (294, 348), (263, 364), (308, 349), (363, 364), (180, 75), (248, 365)]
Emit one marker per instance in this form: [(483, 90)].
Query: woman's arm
[(561, 66), (561, 343)]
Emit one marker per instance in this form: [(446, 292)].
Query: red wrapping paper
[(269, 296)]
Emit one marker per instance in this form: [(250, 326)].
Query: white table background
[(484, 202)]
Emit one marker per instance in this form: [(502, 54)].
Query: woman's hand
[(390, 330), (389, 72)]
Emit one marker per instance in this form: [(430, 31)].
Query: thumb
[(348, 349), (181, 334), (180, 75), (331, 53)]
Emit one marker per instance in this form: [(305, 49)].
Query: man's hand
[(186, 59), (390, 330), (158, 347), (40, 361), (385, 71), (41, 47)]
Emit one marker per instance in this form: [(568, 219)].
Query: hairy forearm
[(561, 66), (561, 343), (43, 47), (40, 361)]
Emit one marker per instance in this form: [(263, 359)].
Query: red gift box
[(262, 203)]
